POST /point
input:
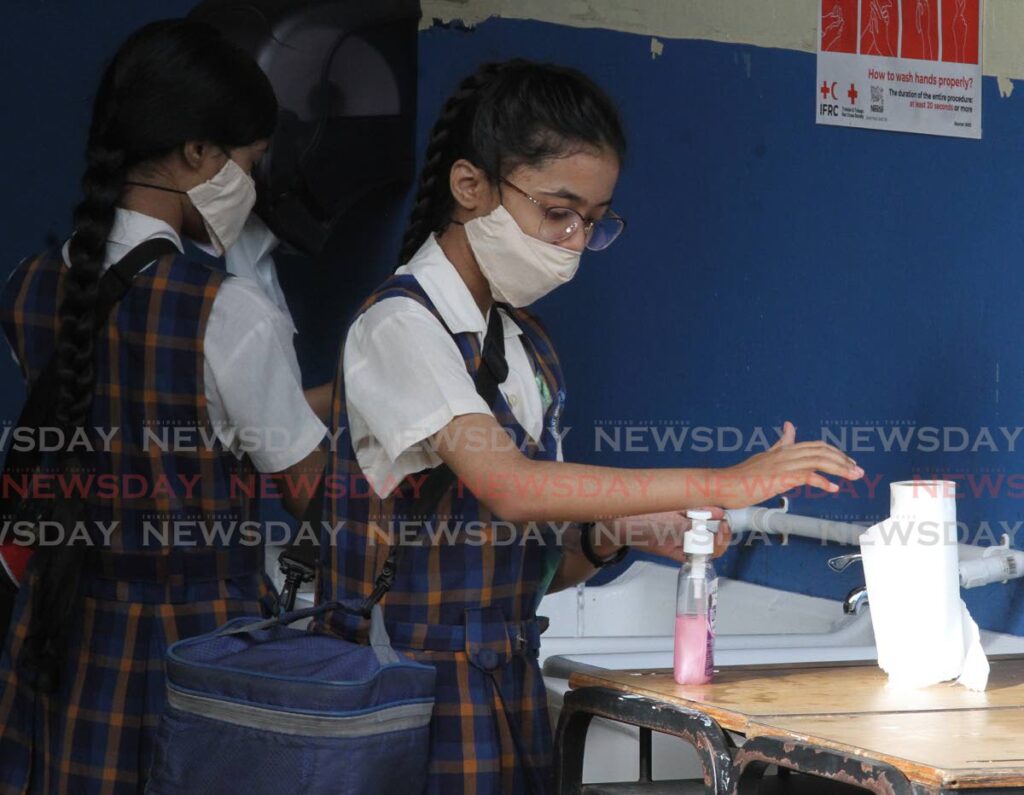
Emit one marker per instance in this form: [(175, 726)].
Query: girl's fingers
[(788, 436), (672, 552), (831, 461), (832, 468), (819, 482), (823, 447), (722, 539), (842, 470)]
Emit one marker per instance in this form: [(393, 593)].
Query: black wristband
[(588, 549)]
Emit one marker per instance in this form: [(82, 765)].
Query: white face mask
[(519, 268), (224, 202)]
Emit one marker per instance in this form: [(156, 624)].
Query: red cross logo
[(824, 90), (852, 94)]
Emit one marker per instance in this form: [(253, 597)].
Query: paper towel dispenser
[(344, 72)]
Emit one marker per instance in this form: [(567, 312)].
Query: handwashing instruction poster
[(906, 65)]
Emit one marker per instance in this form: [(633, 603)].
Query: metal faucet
[(856, 600)]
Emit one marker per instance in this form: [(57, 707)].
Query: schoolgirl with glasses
[(518, 182)]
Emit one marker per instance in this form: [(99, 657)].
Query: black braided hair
[(171, 82), (503, 116), (433, 203)]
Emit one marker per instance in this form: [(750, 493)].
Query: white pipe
[(994, 564), (777, 521), (978, 565)]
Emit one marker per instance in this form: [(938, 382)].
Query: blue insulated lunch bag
[(263, 709)]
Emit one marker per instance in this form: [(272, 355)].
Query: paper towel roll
[(922, 629)]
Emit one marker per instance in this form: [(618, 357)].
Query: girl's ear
[(202, 156), (471, 188), (194, 153)]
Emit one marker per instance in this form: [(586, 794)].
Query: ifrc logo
[(829, 105)]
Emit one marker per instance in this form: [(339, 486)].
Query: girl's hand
[(787, 465), (662, 533)]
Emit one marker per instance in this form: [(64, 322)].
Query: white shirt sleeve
[(253, 383), (405, 380)]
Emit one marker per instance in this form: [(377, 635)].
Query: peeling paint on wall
[(787, 25), (1005, 87), (657, 48)]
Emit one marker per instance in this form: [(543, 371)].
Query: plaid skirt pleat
[(472, 749)]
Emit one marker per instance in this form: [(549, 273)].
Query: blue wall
[(777, 270), (772, 269)]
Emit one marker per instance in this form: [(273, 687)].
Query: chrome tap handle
[(840, 564)]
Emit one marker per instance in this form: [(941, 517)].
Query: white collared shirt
[(405, 378), (252, 256), (251, 375)]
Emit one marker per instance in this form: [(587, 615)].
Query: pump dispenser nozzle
[(700, 540)]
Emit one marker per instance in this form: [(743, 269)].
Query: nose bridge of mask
[(224, 202), (501, 226), (519, 267), (565, 257)]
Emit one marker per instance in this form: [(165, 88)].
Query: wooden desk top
[(958, 749), (743, 693), (942, 735)]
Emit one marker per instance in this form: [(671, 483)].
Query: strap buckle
[(297, 572), (383, 584), (519, 641)]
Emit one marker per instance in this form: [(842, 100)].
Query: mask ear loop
[(150, 185), (155, 187), (166, 189)]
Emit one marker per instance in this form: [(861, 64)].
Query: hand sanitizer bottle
[(696, 600)]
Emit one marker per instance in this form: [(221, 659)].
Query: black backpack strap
[(41, 404), (298, 562), (119, 277)]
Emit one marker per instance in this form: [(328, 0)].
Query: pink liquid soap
[(694, 663)]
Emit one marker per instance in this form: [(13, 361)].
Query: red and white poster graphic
[(961, 23), (839, 26), (901, 65), (920, 39), (879, 27)]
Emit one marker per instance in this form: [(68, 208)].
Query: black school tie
[(493, 367)]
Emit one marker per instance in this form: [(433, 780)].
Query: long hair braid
[(433, 203), (59, 567)]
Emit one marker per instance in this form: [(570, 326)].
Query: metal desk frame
[(727, 769)]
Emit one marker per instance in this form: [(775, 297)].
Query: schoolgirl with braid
[(518, 180), (179, 120)]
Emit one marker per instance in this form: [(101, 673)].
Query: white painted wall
[(786, 24)]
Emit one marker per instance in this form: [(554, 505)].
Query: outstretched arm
[(520, 489)]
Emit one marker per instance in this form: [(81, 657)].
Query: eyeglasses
[(560, 223)]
